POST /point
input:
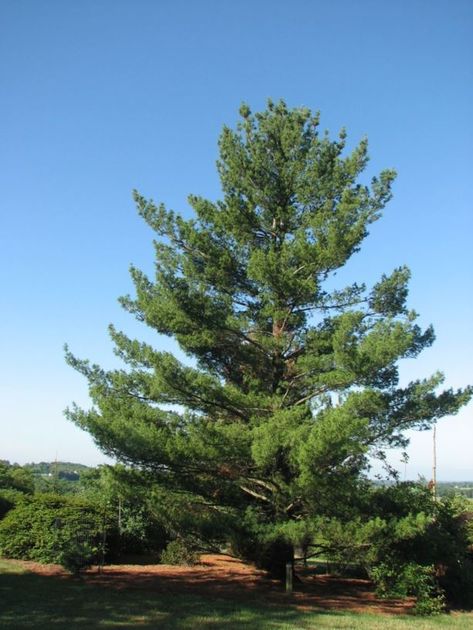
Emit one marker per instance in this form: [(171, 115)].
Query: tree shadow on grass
[(66, 603)]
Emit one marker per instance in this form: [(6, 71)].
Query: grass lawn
[(29, 600)]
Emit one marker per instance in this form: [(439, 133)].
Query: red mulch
[(226, 577)]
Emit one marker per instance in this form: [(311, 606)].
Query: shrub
[(178, 552), (408, 543), (77, 554), (393, 580), (8, 499), (49, 528)]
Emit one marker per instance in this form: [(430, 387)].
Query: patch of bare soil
[(227, 577)]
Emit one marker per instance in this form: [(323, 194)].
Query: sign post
[(289, 571)]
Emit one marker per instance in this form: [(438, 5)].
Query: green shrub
[(178, 552), (77, 554), (408, 543), (399, 581), (49, 528), (8, 499)]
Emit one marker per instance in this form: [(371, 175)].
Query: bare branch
[(257, 495)]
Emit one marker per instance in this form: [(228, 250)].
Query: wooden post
[(289, 570)]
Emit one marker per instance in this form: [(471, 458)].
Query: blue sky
[(103, 96)]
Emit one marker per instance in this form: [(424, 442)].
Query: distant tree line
[(452, 488)]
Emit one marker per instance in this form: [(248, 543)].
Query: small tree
[(294, 385), (128, 498)]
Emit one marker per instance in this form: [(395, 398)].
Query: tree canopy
[(291, 386)]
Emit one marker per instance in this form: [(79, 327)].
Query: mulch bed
[(222, 576)]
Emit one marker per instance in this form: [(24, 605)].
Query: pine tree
[(292, 386)]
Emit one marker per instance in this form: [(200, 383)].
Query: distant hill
[(64, 470)]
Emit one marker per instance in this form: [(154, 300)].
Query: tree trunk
[(274, 557)]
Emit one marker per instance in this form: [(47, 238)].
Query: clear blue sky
[(102, 96)]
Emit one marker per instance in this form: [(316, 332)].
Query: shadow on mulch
[(225, 577)]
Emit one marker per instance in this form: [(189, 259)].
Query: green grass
[(54, 603)]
